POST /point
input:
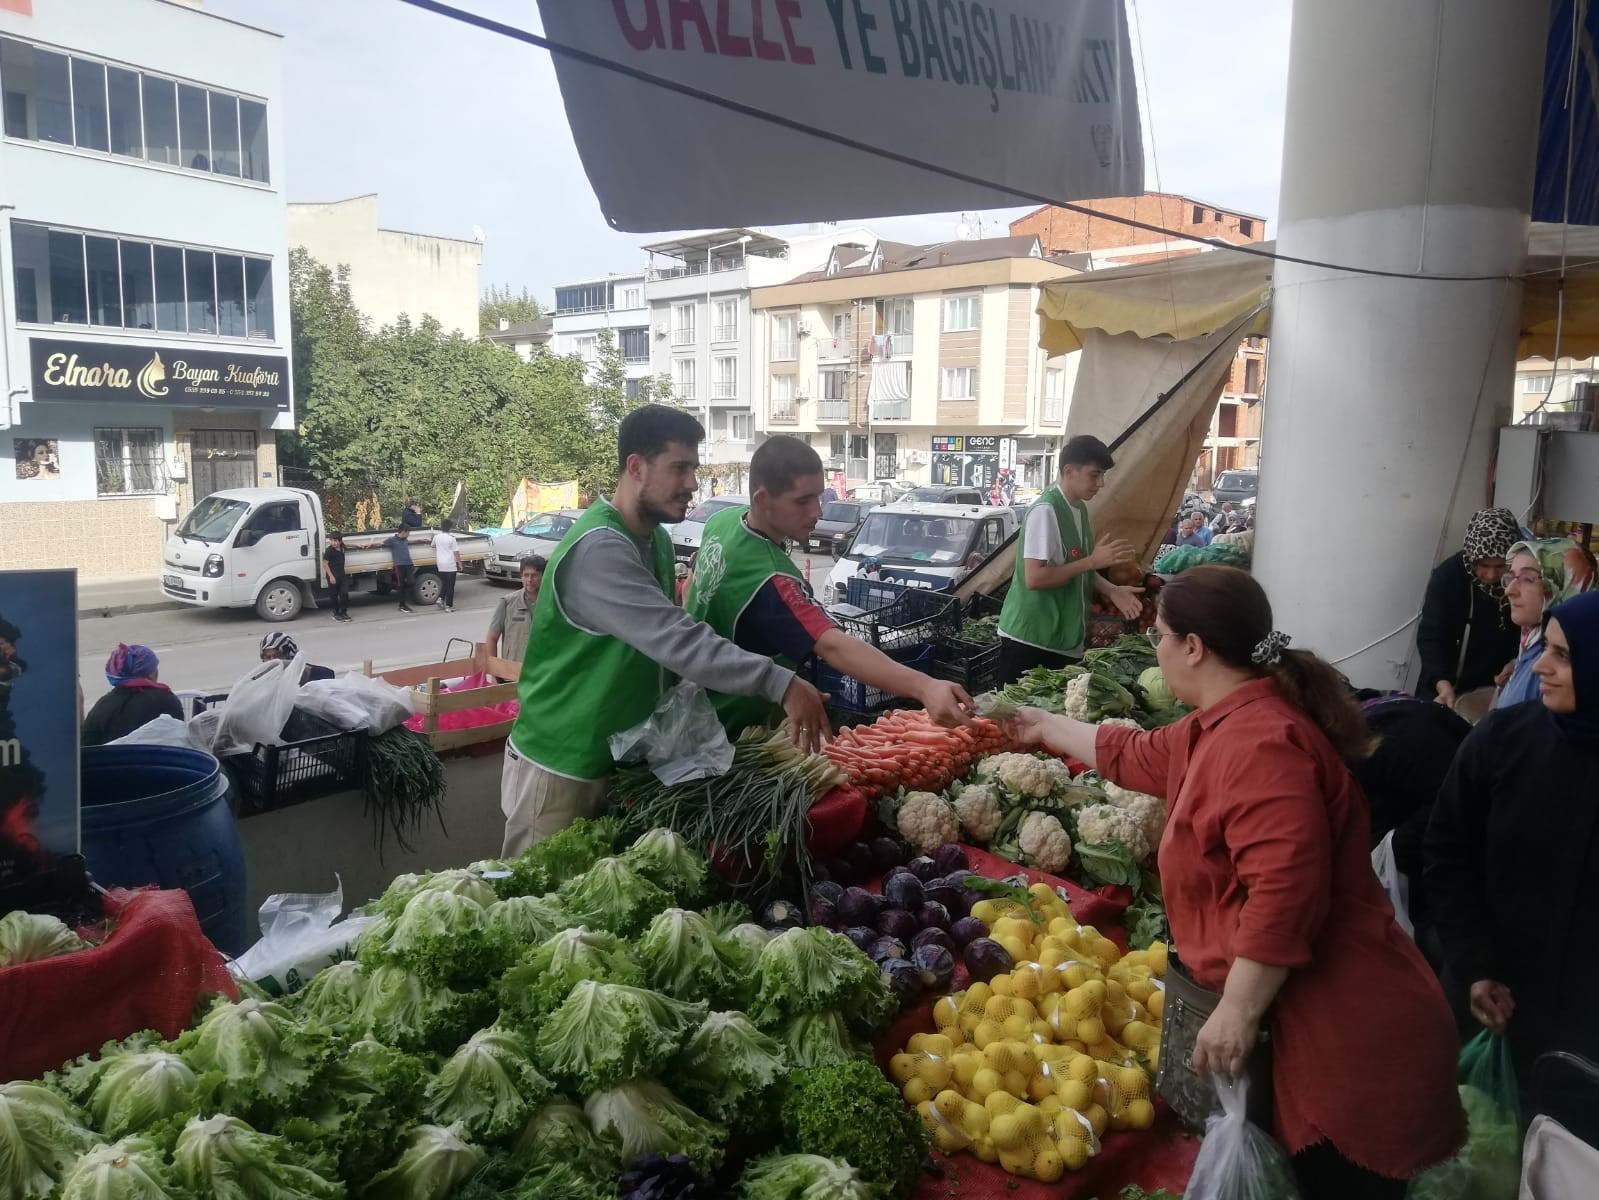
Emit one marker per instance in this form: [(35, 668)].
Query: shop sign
[(127, 373), (966, 460), (38, 720)]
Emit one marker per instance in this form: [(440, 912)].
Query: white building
[(584, 310), (392, 273), (144, 292)]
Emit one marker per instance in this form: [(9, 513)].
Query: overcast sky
[(455, 128)]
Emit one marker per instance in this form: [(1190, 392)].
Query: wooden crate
[(431, 701)]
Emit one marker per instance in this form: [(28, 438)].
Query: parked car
[(941, 493), (537, 535), (1234, 487), (840, 519), (687, 533), (883, 492), (935, 541)]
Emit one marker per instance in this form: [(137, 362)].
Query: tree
[(501, 302), (610, 401)]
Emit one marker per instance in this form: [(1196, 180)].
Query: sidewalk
[(119, 595)]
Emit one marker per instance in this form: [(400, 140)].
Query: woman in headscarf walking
[(1512, 854), (136, 698), (1466, 635), (1541, 575)]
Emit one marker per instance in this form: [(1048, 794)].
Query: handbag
[(1193, 1096)]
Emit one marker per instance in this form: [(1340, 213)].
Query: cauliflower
[(977, 806), (926, 821), (1150, 810), (1105, 822), (1124, 722), (1076, 703), (1043, 840), (1059, 772), (1020, 774)]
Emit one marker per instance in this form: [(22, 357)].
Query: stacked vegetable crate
[(906, 628), (973, 663)]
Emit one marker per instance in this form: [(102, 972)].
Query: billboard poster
[(39, 792)]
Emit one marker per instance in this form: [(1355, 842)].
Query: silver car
[(537, 535), (686, 534)]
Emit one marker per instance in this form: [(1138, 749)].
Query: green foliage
[(489, 1086), (610, 1033), (501, 303), (40, 1136), (221, 1157), (727, 1067), (852, 1113)]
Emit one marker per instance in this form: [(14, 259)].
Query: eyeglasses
[(1154, 636), (1525, 578)]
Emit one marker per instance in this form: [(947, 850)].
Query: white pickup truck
[(262, 548)]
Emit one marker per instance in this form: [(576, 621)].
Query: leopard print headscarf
[(1489, 534)]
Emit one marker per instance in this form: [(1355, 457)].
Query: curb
[(130, 609)]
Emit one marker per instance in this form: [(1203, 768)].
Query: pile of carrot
[(906, 749)]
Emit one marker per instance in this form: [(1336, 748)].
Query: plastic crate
[(276, 776), (851, 695), (1104, 630), (916, 618), (973, 665), (886, 585)]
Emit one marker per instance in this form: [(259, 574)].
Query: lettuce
[(646, 1118), (222, 1158), (435, 1162), (727, 1067), (361, 1110), (505, 1178), (609, 1033), (684, 957), (443, 936), (612, 896), (818, 1040), (261, 1061), (488, 1086), (559, 1132), (853, 1113), (40, 1136), (333, 997), (528, 920), (31, 937), (537, 986), (131, 1090), (132, 1169), (549, 864), (813, 970), (402, 1010), (666, 859), (458, 882), (803, 1177)]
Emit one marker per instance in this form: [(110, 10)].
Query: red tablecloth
[(147, 975)]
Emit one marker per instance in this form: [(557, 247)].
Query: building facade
[(525, 337), (144, 296), (585, 310), (392, 273), (918, 363)]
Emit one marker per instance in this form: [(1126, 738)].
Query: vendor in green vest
[(611, 641), (747, 588), (1045, 618)]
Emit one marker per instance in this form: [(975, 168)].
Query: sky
[(459, 130)]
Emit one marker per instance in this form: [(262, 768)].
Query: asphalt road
[(207, 650)]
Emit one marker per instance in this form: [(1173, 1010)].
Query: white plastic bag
[(1394, 881), (682, 739), (163, 731), (257, 708), (1238, 1160), (300, 934), (357, 701)]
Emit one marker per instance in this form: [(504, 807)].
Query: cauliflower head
[(1105, 822), (1043, 840), (1076, 701), (977, 806), (1150, 810), (1124, 722), (1059, 772), (1020, 774), (926, 822)]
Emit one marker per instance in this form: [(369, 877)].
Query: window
[(741, 427), (169, 312), (635, 390), (586, 347), (585, 297), (783, 337), (160, 120), (1054, 395), (138, 286), (960, 313), (68, 303), (783, 396), (835, 384), (253, 139), (724, 326), (105, 282), (224, 133), (1538, 385), (1198, 214), (199, 282), (632, 297), (682, 324), (194, 128), (1246, 227), (960, 383), (89, 124), (1252, 377), (230, 296), (128, 462), (1227, 420), (724, 377), (835, 445), (858, 442), (38, 93), (258, 297), (841, 330), (122, 98), (683, 378), (635, 345)]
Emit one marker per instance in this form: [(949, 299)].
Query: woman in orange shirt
[(1266, 868)]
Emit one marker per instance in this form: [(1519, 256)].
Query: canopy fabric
[(890, 382), (529, 499)]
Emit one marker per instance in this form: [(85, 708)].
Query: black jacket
[(1512, 861), (1455, 605), (123, 709)]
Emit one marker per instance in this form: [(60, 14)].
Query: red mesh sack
[(148, 974)]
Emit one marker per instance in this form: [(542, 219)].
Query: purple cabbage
[(823, 912), (887, 853), (863, 936), (885, 948), (899, 923), (903, 891), (986, 958), (932, 915), (936, 964), (950, 857), (966, 931), (904, 980), (857, 906), (924, 869), (934, 937)]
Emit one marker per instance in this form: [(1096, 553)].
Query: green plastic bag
[(1489, 1167)]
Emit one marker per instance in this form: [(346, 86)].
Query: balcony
[(891, 410), (833, 349), (785, 414), (724, 333), (698, 268), (633, 359), (683, 337), (832, 410), (900, 345), (724, 391)]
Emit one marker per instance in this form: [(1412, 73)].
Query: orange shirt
[(1265, 856)]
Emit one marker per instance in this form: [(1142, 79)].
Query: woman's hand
[(1446, 694), (1027, 726), (1492, 1004), (1225, 1041), (1504, 675)]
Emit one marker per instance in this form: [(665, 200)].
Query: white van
[(933, 541)]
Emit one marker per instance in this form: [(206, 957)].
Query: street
[(207, 650)]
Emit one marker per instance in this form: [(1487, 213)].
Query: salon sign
[(177, 376)]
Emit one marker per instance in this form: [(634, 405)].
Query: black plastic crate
[(918, 617), (276, 776), (973, 665), (851, 695)]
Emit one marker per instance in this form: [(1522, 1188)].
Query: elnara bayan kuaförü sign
[(135, 373)]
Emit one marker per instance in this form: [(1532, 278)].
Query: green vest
[(581, 687), (1051, 618), (734, 563)]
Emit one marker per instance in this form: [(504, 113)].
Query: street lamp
[(709, 358)]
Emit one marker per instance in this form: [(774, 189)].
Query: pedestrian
[(447, 561), (610, 638), (1466, 635), (404, 569), (338, 581), (1045, 616), (1186, 535), (281, 647), (757, 597), (828, 494), (513, 615), (1538, 576), (1265, 864), (136, 698), (411, 516), (1222, 522)]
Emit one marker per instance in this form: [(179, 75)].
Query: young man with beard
[(610, 639)]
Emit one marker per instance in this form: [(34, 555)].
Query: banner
[(529, 499), (38, 720), (1027, 96), (131, 373)]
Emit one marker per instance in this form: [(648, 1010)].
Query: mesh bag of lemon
[(1032, 1068)]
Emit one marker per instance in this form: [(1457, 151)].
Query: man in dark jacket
[(136, 697)]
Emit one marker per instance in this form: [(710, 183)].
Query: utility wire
[(602, 63)]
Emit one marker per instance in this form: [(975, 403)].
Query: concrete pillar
[(1410, 145)]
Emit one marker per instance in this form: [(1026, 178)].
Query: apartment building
[(915, 362), (144, 300), (584, 310), (1101, 237), (1543, 388), (525, 337)]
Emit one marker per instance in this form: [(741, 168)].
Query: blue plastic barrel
[(159, 815)]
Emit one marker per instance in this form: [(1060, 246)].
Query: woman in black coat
[(1466, 636), (136, 697)]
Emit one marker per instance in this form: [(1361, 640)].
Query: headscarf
[(1489, 534), (1579, 621), (285, 645), (128, 664), (1567, 570)]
